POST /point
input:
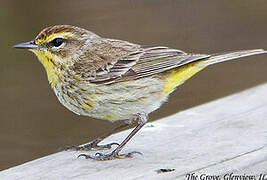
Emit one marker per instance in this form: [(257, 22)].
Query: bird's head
[(58, 46)]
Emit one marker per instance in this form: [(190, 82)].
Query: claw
[(128, 155), (84, 155), (110, 156), (98, 154), (106, 146)]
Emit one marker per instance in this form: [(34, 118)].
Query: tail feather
[(221, 57)]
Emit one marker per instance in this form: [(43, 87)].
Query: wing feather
[(135, 61)]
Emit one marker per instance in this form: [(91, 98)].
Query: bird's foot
[(93, 145), (113, 155)]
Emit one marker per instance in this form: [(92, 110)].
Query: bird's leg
[(141, 120), (94, 144)]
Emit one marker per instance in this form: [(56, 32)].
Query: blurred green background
[(32, 121)]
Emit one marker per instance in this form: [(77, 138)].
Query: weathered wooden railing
[(225, 136)]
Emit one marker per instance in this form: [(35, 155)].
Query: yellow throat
[(53, 72)]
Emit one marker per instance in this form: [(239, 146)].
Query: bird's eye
[(57, 42)]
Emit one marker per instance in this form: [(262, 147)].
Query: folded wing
[(141, 62)]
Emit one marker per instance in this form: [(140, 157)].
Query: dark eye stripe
[(57, 42)]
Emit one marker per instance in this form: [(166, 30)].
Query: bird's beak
[(27, 45)]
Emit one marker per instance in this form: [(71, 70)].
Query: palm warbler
[(113, 79)]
